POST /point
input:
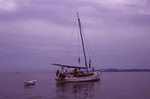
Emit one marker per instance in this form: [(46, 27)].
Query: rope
[(88, 47), (86, 44), (69, 43)]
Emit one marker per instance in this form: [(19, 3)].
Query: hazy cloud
[(37, 32)]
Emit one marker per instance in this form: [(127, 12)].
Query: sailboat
[(76, 75)]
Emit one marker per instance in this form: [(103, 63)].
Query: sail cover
[(68, 66)]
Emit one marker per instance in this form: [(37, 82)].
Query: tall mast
[(82, 42)]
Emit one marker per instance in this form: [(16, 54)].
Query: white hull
[(29, 83), (95, 76)]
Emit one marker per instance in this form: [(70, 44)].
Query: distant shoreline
[(101, 70), (125, 70)]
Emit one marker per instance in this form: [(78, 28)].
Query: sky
[(36, 33)]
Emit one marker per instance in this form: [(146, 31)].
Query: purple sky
[(36, 33)]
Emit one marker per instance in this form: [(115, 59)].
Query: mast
[(82, 42)]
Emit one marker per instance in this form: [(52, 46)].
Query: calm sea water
[(113, 85)]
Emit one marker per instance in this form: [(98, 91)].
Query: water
[(113, 85)]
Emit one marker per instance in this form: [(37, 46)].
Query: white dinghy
[(29, 83)]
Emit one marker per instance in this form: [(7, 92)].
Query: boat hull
[(94, 77), (30, 83)]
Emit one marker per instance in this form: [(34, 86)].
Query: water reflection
[(79, 90)]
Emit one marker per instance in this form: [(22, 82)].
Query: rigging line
[(92, 54), (87, 43), (85, 39), (91, 50), (69, 42)]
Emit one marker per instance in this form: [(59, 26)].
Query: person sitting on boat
[(62, 76), (57, 73), (74, 72), (66, 73), (93, 69), (79, 73)]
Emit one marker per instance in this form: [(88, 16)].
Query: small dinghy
[(29, 83)]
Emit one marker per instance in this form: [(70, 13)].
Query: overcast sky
[(36, 33)]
